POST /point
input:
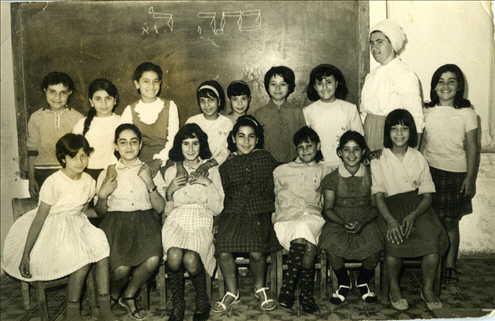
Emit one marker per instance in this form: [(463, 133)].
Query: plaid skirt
[(134, 237), (447, 201), (246, 233)]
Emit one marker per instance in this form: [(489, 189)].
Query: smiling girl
[(100, 124)]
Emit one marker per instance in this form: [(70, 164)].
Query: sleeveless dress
[(67, 241), (352, 203)]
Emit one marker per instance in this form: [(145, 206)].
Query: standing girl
[(240, 96), (390, 86), (351, 232), (450, 125), (46, 126), (188, 231), (402, 186), (56, 239), (330, 115), (297, 218), (129, 201), (211, 101), (156, 118), (245, 224), (100, 124)]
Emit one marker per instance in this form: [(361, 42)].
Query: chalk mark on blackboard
[(158, 15), (240, 14)]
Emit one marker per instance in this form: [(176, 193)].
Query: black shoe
[(308, 304), (202, 316), (339, 296), (366, 294), (286, 300)]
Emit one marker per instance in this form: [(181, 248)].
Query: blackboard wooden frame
[(22, 89)]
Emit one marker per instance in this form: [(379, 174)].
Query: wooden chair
[(242, 261), (21, 206), (414, 263), (354, 265), (321, 266)]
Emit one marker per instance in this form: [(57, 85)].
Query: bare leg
[(394, 265), (429, 266), (257, 264), (74, 289), (452, 229), (228, 267), (103, 287), (119, 278)]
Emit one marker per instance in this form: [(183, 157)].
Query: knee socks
[(307, 283), (364, 275), (177, 287), (296, 253), (342, 276), (199, 283)]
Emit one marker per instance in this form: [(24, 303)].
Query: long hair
[(96, 85), (189, 131), (323, 71), (246, 120), (459, 100)]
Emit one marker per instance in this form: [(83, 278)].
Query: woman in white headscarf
[(392, 85)]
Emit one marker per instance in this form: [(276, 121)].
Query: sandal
[(267, 304), (136, 314), (366, 294), (113, 302), (339, 296), (449, 278), (221, 307)]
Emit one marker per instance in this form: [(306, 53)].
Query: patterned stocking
[(177, 288), (296, 253), (202, 311), (306, 298)]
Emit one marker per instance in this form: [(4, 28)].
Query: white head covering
[(393, 31)]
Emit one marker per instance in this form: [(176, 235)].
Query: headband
[(239, 82), (211, 88), (247, 118)]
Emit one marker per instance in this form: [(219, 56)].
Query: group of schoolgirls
[(285, 177)]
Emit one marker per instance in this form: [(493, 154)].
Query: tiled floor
[(473, 296)]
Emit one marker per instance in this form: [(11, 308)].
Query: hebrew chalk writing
[(146, 29), (248, 20)]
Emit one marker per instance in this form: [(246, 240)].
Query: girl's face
[(326, 88), (307, 151), (399, 134), (74, 166), (245, 140), (446, 88), (351, 154), (190, 149), (381, 48), (128, 145), (209, 106), (278, 88), (57, 96), (103, 103), (239, 104), (149, 86)]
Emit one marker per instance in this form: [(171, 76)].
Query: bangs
[(207, 93)]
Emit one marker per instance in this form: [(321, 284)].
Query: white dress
[(189, 222), (67, 240)]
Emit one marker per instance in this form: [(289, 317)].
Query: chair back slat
[(21, 206)]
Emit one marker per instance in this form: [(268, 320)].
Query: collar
[(299, 161), (191, 168), (345, 173), (271, 104), (48, 109), (120, 165)]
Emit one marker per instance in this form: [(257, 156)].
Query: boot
[(286, 297), (306, 299), (177, 287), (202, 312)]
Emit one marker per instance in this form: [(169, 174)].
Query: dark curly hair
[(355, 137), (323, 71), (189, 131), (246, 120)]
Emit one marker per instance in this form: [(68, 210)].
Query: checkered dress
[(245, 224)]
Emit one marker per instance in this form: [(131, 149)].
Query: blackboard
[(192, 41)]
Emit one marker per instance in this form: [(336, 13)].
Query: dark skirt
[(427, 236), (448, 202), (134, 237), (246, 233)]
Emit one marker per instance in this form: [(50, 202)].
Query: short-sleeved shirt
[(131, 193), (279, 125), (392, 176), (330, 121), (45, 128), (445, 134)]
